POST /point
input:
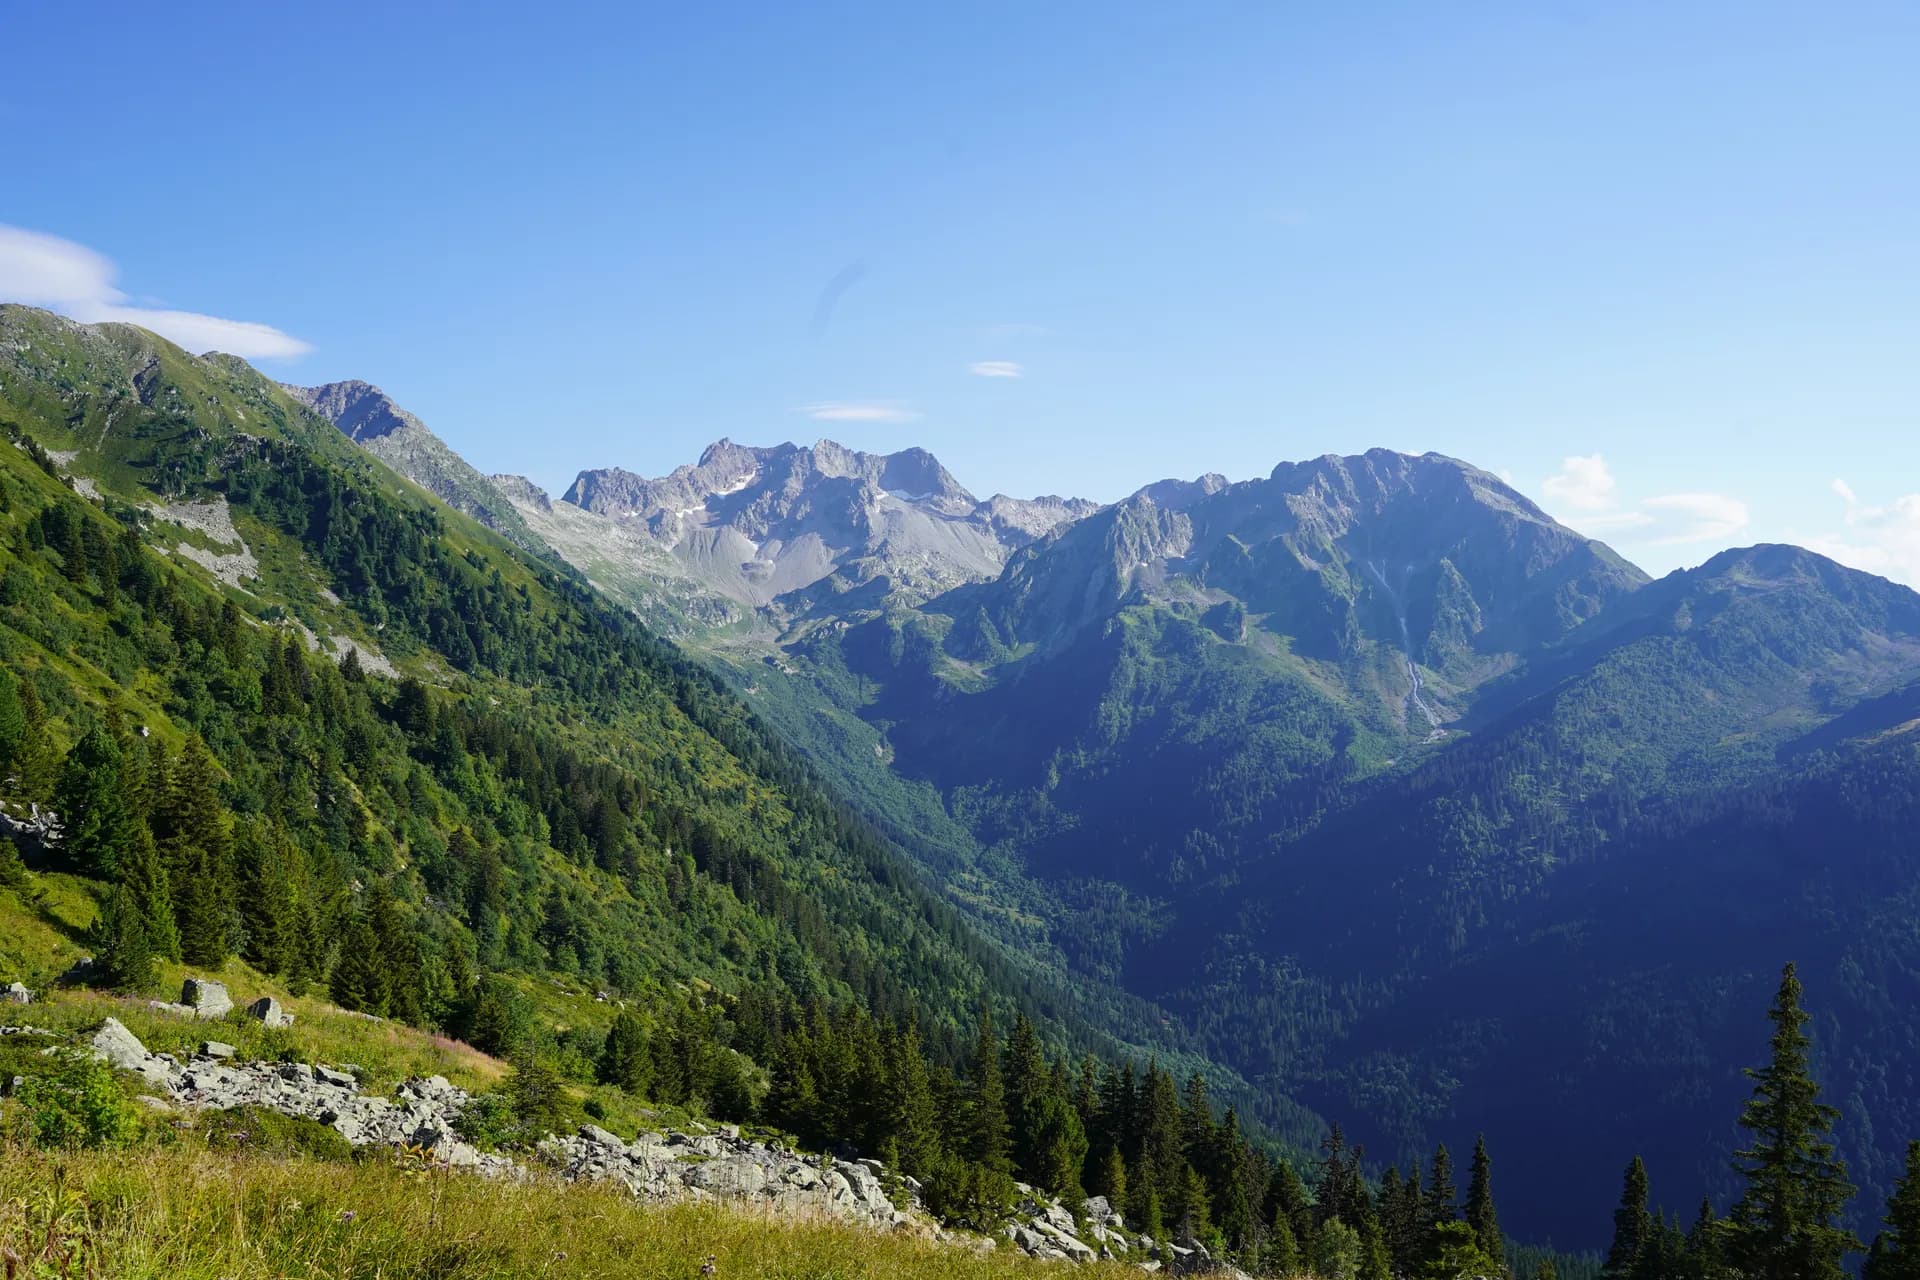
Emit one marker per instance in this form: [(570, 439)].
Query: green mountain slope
[(548, 788)]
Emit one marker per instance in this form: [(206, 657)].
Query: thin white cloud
[(996, 369), (46, 271), (1701, 517), (1883, 540), (859, 411), (1585, 495), (1583, 483)]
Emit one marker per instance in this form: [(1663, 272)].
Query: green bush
[(270, 1133), (80, 1105)]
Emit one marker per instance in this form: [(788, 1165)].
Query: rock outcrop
[(723, 1165)]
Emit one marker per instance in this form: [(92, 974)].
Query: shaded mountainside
[(1368, 771), (541, 787)]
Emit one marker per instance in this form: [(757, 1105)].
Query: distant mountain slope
[(1368, 771), (368, 417), (541, 787), (763, 526)]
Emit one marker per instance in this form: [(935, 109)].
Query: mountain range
[(1365, 787), (1412, 804)]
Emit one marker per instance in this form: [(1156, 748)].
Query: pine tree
[(1192, 1216), (1786, 1222), (13, 719), (191, 825), (1480, 1212), (96, 809), (1547, 1270), (1111, 1180), (987, 1142), (1632, 1225), (1441, 1203), (1896, 1249), (144, 877), (359, 979), (1281, 1256), (122, 955), (909, 1117), (623, 1056), (1703, 1246), (1028, 1087)]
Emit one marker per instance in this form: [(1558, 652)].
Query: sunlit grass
[(191, 1215)]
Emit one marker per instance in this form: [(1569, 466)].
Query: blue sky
[(1676, 244)]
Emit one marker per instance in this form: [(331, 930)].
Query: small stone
[(216, 1049), (267, 1010), (338, 1079), (16, 993)]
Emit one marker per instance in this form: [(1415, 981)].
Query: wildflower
[(348, 1215), (708, 1267)]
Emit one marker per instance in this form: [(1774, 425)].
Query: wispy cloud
[(859, 411), (46, 271), (1883, 540), (996, 369), (1700, 517), (1585, 494)]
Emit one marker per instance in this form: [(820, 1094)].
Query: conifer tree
[(1896, 1249), (1281, 1254), (623, 1057), (1192, 1213), (1111, 1181), (1632, 1225), (910, 1119), (144, 877), (359, 979), (1703, 1246), (96, 811), (1441, 1202), (1786, 1224), (1028, 1085), (1480, 1212), (122, 955), (987, 1142), (13, 719), (1548, 1269), (190, 823)]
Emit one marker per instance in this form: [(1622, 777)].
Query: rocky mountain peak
[(361, 410)]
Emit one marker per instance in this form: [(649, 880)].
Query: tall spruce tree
[(1786, 1224), (987, 1142), (1896, 1249), (623, 1056), (1480, 1212), (97, 808), (1442, 1200), (1632, 1225)]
